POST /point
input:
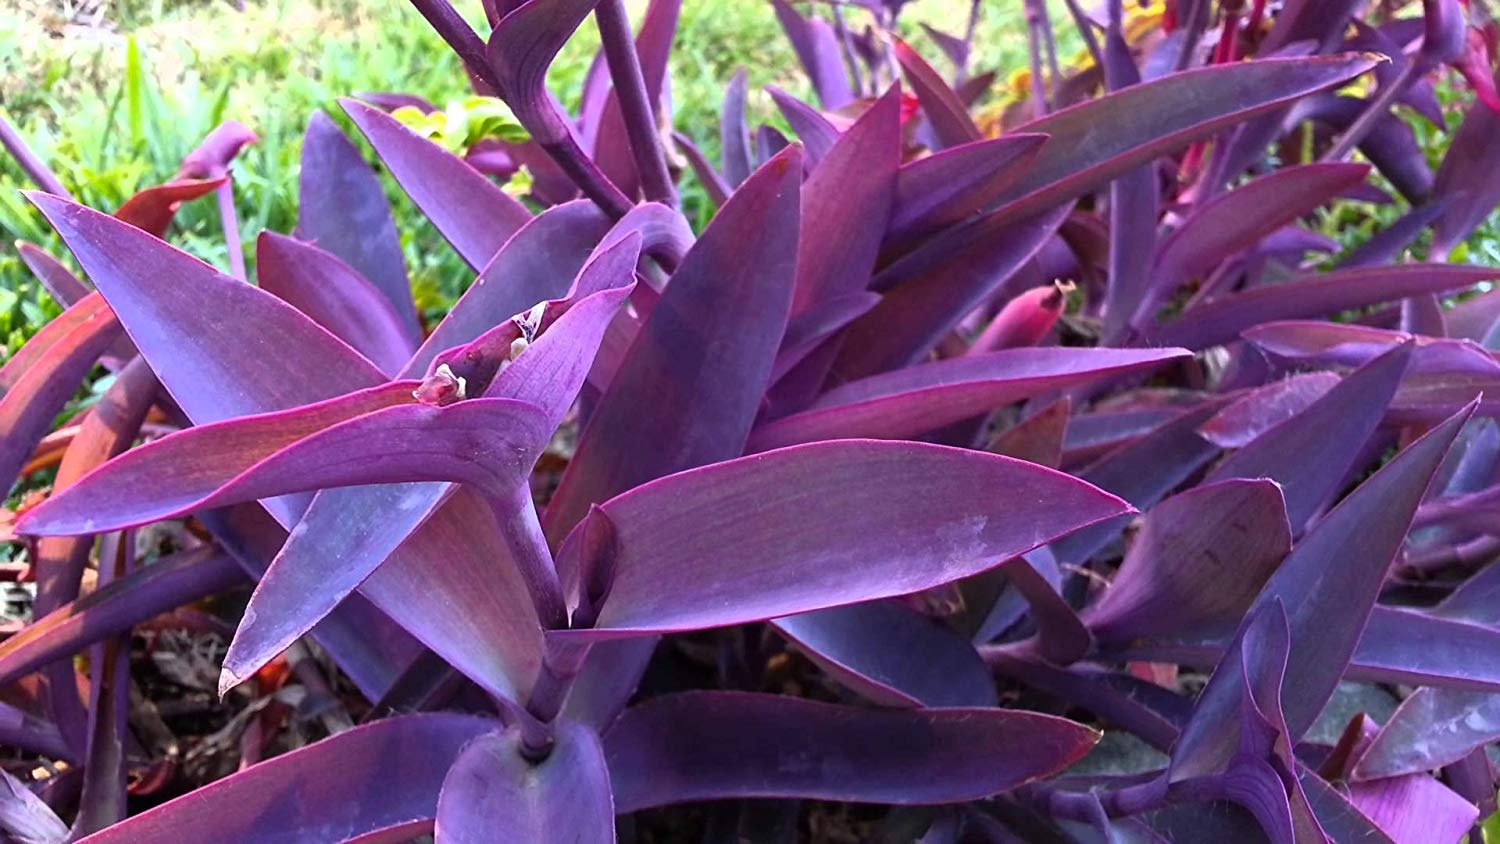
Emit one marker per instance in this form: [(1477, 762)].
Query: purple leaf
[(160, 296), (876, 508), (468, 209), (927, 300), (1143, 472), (24, 817), (157, 588), (535, 265), (734, 135), (723, 313), (1236, 220), (892, 655), (1432, 728), (720, 745), (947, 115), (1414, 809), (1200, 556), (942, 188), (926, 397), (37, 382), (814, 130), (1155, 117), (336, 297), (338, 789), (1338, 344), (493, 791), (175, 473), (836, 250), (66, 288), (1222, 319), (1333, 576), (1310, 454), (818, 51), (343, 211), (1467, 178), (1260, 410)]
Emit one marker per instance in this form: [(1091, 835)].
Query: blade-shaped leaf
[(1259, 411), (694, 378), (468, 209), (892, 655), (927, 300), (1432, 728), (1236, 220), (157, 588), (533, 266), (814, 130), (905, 516), (818, 51), (1222, 319), (494, 792), (1200, 556), (337, 298), (1098, 140), (1311, 453), (152, 482), (35, 385), (945, 112), (836, 250), (338, 789), (1339, 344), (342, 210), (944, 187), (1332, 577), (721, 745), (924, 398)]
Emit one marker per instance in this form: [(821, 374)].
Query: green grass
[(115, 113)]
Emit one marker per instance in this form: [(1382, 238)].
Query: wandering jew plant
[(1033, 472)]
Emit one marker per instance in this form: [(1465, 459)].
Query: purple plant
[(934, 458)]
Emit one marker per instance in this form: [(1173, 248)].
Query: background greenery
[(112, 98)]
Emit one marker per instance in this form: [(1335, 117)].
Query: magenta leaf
[(1222, 319), (926, 397), (836, 250), (1310, 453), (892, 655), (720, 745), (468, 209), (724, 312), (1200, 556), (493, 791), (942, 188), (343, 211), (877, 508), (38, 381), (338, 789), (337, 297)]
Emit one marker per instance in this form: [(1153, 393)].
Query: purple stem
[(969, 32), (846, 46), (453, 29), (39, 172), (231, 230), (1374, 111), (1034, 45), (635, 106)]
